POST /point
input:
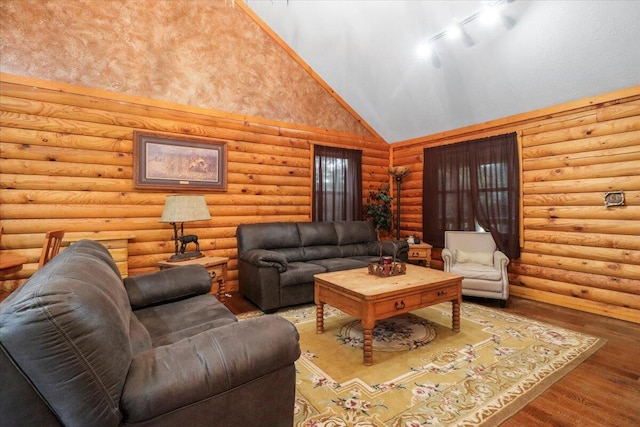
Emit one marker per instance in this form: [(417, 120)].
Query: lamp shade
[(185, 209), (399, 171)]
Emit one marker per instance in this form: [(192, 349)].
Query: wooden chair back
[(51, 246)]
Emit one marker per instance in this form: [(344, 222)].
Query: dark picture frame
[(169, 162)]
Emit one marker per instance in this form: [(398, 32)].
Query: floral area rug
[(425, 374)]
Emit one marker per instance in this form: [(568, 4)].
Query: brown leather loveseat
[(81, 348)]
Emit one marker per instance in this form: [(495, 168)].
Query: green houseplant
[(378, 209)]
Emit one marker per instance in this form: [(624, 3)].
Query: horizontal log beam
[(619, 299), (622, 313), (616, 269), (598, 281), (579, 225), (627, 183), (631, 198), (597, 240), (631, 213)]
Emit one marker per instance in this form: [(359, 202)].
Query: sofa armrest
[(167, 285), (389, 247), (447, 257), (265, 258), (169, 377), (402, 249)]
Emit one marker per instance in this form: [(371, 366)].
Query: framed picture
[(167, 162)]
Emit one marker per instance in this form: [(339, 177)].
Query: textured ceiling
[(542, 53)]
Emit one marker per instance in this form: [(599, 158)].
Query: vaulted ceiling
[(537, 54)]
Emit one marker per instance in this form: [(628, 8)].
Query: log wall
[(66, 157), (576, 252)]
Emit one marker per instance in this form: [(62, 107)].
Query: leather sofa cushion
[(300, 272), (336, 264), (366, 259), (267, 236), (355, 249), (320, 252), (202, 370), (291, 254), (139, 336), (355, 232), (168, 323), (317, 233)]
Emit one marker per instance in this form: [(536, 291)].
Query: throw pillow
[(485, 258)]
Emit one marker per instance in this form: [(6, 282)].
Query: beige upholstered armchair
[(475, 256)]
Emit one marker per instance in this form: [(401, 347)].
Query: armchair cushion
[(476, 271), (484, 258)]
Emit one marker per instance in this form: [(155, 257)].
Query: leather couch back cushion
[(356, 249), (67, 328), (355, 232), (321, 252), (267, 236), (292, 254), (317, 233)]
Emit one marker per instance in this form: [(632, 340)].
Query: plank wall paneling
[(66, 162), (576, 252)]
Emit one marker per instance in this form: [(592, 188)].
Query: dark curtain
[(337, 184), (469, 182)]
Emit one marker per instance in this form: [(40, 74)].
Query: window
[(337, 190), (473, 185)]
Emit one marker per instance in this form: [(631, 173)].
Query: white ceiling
[(541, 54)]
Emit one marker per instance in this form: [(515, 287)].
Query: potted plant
[(378, 210)]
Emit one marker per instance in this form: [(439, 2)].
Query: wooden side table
[(216, 266), (420, 252), (11, 263)]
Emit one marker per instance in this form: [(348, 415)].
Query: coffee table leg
[(455, 314), (367, 334), (319, 318)]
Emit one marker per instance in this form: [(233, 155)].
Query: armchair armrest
[(447, 257), (500, 260), (169, 377), (167, 285), (265, 258)]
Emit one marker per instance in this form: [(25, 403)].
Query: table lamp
[(181, 209)]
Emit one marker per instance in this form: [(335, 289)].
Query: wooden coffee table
[(371, 298)]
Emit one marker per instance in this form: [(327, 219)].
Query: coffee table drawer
[(442, 294), (397, 305)]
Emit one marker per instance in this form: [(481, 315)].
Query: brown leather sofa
[(277, 260), (78, 347)]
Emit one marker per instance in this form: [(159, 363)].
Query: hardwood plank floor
[(603, 391)]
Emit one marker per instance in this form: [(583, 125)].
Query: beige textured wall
[(205, 53)]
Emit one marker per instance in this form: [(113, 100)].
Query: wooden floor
[(603, 391)]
